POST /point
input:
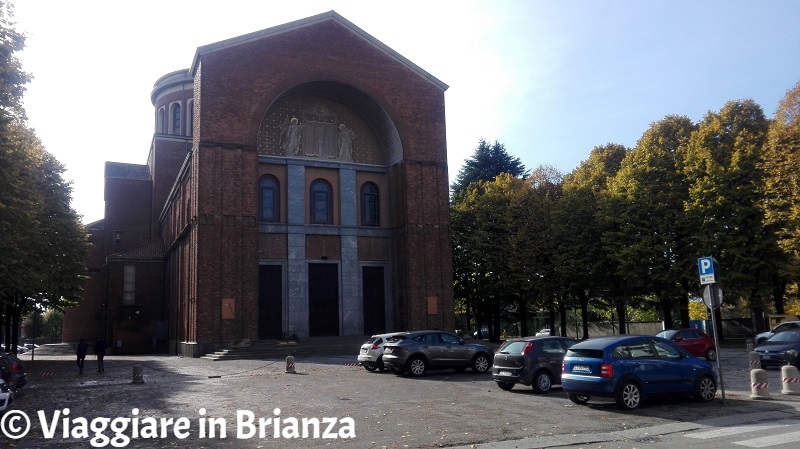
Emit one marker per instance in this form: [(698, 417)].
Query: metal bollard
[(290, 364), (791, 380), (138, 376), (759, 385), (755, 360)]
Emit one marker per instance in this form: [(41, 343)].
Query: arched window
[(161, 127), (370, 205), (269, 194), (176, 119), (321, 202)]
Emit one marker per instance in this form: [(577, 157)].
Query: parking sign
[(706, 267)]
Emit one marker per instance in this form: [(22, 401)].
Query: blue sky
[(549, 79)]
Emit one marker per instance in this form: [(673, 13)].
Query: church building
[(296, 183)]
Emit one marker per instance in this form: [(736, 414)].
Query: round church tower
[(173, 99)]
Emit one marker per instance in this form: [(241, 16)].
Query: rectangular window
[(129, 285)]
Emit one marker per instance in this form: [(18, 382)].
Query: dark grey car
[(534, 361), (416, 352)]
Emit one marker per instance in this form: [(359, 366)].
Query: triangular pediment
[(311, 22)]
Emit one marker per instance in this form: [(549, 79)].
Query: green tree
[(488, 161), (52, 323), (43, 246), (781, 194), (12, 78), (47, 245), (581, 263), (723, 165), (502, 249), (533, 285), (644, 214)]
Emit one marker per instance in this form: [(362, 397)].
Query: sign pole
[(714, 302)]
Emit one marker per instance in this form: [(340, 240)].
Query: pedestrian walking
[(81, 353), (100, 351)]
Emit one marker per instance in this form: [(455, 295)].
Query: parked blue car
[(629, 368)]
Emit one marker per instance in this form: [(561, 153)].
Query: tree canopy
[(488, 161), (623, 231)]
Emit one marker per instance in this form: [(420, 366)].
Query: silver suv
[(416, 352), (371, 354)]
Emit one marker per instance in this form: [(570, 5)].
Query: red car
[(695, 341)]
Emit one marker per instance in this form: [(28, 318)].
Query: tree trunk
[(15, 329), (585, 314), (522, 310), (683, 306), (562, 310), (494, 330), (666, 312), (622, 317), (718, 316), (6, 310), (778, 293)]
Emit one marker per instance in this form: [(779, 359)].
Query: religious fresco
[(318, 128)]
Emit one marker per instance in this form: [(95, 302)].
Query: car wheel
[(505, 385), (578, 398), (416, 366), (706, 389), (370, 367), (480, 364), (711, 354), (629, 396), (542, 381)]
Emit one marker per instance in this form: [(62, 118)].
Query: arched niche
[(329, 120)]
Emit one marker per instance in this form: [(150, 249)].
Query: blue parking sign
[(706, 267)]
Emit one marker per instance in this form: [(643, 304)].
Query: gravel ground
[(441, 409)]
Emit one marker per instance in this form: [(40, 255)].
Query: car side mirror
[(678, 339), (461, 342)]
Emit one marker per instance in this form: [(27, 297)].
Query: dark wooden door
[(270, 299), (374, 307), (323, 299)]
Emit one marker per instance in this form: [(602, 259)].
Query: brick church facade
[(296, 183)]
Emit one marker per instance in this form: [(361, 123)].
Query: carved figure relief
[(346, 137), (293, 132), (309, 127)]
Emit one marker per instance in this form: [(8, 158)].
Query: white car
[(543, 332), (788, 325), (6, 396), (371, 354)]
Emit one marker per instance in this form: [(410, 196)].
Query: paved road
[(442, 409)]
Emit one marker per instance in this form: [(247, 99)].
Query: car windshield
[(588, 353), (513, 347), (666, 334), (786, 337), (396, 338)]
